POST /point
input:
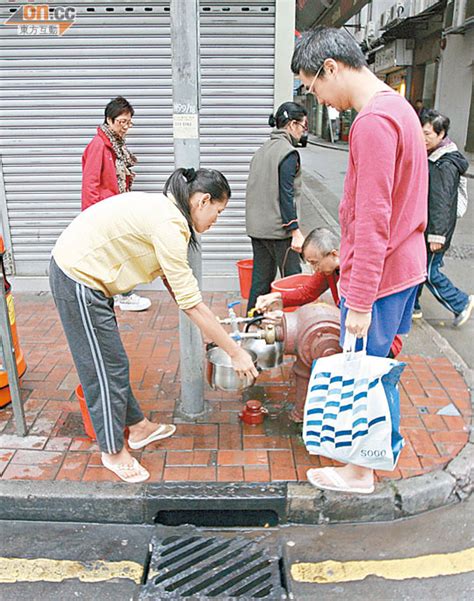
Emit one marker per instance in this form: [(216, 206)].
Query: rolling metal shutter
[(237, 64), (53, 94), (54, 90)]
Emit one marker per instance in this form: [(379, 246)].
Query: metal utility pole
[(7, 354), (185, 73)]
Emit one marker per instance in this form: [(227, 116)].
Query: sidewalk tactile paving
[(218, 446)]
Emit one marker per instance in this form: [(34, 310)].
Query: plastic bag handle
[(349, 345)]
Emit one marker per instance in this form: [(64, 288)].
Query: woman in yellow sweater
[(116, 244)]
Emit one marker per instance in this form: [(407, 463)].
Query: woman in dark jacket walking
[(273, 191), (446, 168)]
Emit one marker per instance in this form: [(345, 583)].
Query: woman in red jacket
[(107, 170), (107, 163)]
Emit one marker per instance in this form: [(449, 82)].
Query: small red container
[(245, 268), (253, 413), (86, 418), (291, 282)]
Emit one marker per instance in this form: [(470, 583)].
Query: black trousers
[(268, 256), (102, 365)]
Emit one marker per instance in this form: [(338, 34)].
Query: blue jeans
[(391, 315), (442, 288)]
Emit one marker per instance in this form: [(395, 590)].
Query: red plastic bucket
[(86, 418), (245, 268), (291, 282)]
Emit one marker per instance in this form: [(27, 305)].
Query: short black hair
[(438, 121), (116, 107), (313, 47), (288, 111)]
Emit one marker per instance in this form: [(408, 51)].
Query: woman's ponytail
[(183, 183), (288, 111)]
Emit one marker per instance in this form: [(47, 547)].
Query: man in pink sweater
[(383, 210)]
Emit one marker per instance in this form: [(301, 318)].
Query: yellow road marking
[(57, 570), (425, 566)]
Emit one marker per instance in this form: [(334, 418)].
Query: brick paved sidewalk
[(218, 447)]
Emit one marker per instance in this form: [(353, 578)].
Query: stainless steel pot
[(268, 355), (220, 373)]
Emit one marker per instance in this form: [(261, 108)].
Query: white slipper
[(123, 470), (336, 482), (163, 431)]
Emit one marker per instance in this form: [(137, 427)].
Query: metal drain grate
[(190, 564)]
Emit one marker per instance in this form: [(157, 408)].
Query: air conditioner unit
[(370, 30), (455, 14), (396, 12), (393, 56), (384, 19), (417, 7), (399, 10), (359, 36)]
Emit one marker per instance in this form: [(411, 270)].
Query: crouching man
[(321, 252)]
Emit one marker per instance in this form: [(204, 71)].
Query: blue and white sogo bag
[(352, 410)]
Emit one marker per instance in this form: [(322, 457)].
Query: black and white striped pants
[(101, 362)]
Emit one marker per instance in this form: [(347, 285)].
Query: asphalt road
[(427, 558), (409, 560)]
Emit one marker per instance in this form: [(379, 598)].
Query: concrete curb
[(107, 502), (114, 502), (320, 142), (391, 500)]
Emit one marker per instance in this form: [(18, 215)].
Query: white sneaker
[(132, 302), (461, 319)]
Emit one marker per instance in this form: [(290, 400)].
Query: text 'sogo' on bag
[(352, 411)]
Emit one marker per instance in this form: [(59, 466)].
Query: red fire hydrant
[(309, 333)]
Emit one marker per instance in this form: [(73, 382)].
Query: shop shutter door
[(52, 97), (237, 68)]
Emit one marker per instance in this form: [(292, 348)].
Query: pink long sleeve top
[(383, 211)]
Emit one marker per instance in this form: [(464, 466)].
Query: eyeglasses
[(309, 90), (124, 122), (303, 125)]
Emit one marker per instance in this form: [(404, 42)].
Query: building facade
[(424, 49)]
